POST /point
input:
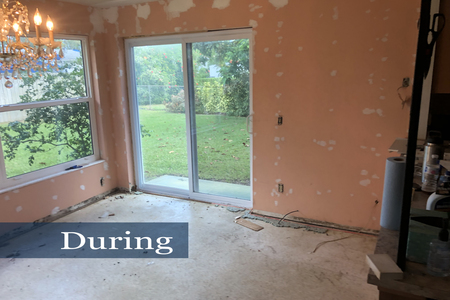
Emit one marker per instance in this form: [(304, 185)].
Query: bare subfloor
[(227, 261)]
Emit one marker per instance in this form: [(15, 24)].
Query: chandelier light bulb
[(49, 24), (16, 27), (37, 18)]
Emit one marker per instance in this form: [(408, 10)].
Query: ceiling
[(107, 3)]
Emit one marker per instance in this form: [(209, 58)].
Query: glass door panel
[(219, 80), (161, 105)]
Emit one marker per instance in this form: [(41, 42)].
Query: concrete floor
[(227, 261)]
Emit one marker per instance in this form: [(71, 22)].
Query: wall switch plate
[(406, 82), (280, 187)]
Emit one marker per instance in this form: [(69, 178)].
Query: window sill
[(9, 189)]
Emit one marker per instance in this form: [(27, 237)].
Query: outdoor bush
[(211, 97), (176, 103)]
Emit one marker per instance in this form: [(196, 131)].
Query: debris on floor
[(277, 223), (120, 197), (138, 193), (107, 214), (235, 209), (249, 224)]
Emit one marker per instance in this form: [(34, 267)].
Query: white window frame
[(39, 175), (183, 39)]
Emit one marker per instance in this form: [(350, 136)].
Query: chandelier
[(20, 54)]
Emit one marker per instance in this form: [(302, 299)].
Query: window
[(47, 120)]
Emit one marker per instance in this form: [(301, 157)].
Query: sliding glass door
[(191, 106)]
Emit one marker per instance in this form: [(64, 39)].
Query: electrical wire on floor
[(340, 239)]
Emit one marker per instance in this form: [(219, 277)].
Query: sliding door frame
[(182, 39)]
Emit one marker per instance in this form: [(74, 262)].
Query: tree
[(65, 127), (232, 58)]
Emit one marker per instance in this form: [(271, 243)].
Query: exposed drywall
[(53, 195)]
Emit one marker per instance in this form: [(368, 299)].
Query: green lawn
[(222, 145)]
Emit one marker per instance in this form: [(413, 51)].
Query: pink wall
[(39, 200), (335, 85)]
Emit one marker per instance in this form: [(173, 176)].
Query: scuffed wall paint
[(221, 4), (330, 69), (173, 8), (329, 88), (142, 11)]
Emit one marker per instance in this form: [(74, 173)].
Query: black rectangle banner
[(96, 240)]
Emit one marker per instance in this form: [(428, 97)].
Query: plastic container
[(443, 187), (431, 175)]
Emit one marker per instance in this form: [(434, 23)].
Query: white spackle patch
[(278, 95), (368, 11), (108, 177), (375, 176), (177, 29), (330, 148), (279, 157), (253, 23), (336, 13), (384, 39), (382, 97), (276, 203), (331, 110), (96, 20), (279, 74), (380, 112), (378, 135), (105, 166), (375, 195), (370, 81), (282, 139), (266, 49), (351, 195), (55, 197), (111, 14), (254, 157), (332, 142), (52, 180), (385, 18), (100, 112), (279, 3), (55, 210), (373, 149), (364, 172), (371, 49), (7, 198), (277, 147), (365, 182), (384, 59), (333, 73), (82, 187), (280, 37), (254, 7), (291, 191), (16, 191), (377, 154), (280, 24), (255, 179), (175, 7), (278, 55), (314, 140), (120, 72), (363, 147), (300, 48), (81, 171), (322, 143), (319, 193), (334, 42), (329, 191), (277, 139), (18, 208), (138, 26), (221, 4), (278, 180), (96, 76), (368, 111), (260, 15)]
